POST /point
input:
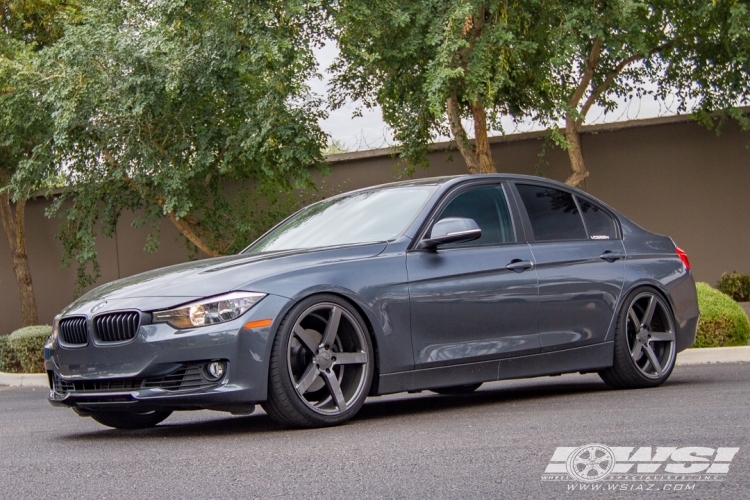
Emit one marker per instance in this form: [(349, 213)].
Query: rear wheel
[(321, 364), (457, 389), (645, 349), (131, 420)]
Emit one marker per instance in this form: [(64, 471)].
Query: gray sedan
[(438, 284)]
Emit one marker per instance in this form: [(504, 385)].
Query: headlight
[(52, 340), (209, 311)]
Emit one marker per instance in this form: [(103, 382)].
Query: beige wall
[(668, 175)]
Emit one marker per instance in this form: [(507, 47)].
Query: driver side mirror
[(451, 230)]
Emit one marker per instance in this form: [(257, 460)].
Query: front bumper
[(161, 366)]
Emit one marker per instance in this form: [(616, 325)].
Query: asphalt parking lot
[(496, 443)]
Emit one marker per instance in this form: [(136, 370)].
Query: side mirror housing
[(451, 230)]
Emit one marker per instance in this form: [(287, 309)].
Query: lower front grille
[(188, 377)]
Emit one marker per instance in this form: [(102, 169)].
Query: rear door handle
[(611, 256), (519, 265)]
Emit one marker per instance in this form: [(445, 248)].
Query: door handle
[(611, 256), (519, 265)]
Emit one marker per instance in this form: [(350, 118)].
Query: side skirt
[(586, 358)]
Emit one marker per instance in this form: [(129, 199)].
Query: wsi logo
[(596, 462)]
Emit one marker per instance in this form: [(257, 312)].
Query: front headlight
[(52, 340), (209, 311)]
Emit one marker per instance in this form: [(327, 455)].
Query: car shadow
[(382, 408), (375, 408)]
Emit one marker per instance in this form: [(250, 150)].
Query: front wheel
[(645, 348), (321, 364), (131, 420)]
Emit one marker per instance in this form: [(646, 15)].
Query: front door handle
[(610, 256), (519, 265)]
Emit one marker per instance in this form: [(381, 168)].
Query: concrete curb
[(685, 358), (24, 379), (740, 354)]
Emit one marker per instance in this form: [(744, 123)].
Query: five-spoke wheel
[(645, 347), (321, 364)]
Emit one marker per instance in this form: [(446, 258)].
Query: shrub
[(723, 322), (28, 346), (736, 285), (8, 360)]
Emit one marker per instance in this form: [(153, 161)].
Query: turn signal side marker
[(258, 324)]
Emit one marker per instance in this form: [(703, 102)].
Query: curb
[(24, 379), (706, 355), (702, 356)]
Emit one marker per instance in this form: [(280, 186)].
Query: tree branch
[(588, 74)]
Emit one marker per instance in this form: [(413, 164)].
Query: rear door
[(579, 259), (466, 303)]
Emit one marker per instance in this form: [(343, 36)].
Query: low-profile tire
[(456, 389), (321, 365), (131, 420), (645, 347)]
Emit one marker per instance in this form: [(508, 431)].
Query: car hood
[(182, 283)]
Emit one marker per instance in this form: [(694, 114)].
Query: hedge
[(723, 322), (736, 285), (8, 360), (24, 351)]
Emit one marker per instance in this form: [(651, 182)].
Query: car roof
[(450, 180)]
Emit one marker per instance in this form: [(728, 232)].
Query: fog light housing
[(215, 370)]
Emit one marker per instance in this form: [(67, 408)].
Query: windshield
[(361, 217)]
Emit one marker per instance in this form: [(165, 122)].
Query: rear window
[(599, 224), (553, 213)]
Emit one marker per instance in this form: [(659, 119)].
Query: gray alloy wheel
[(645, 348), (456, 389), (131, 420), (321, 364)]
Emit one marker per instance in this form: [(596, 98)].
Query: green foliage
[(28, 346), (8, 361), (723, 322), (183, 109), (546, 60), (736, 285), (410, 57), (23, 350)]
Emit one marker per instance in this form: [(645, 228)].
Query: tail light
[(683, 257)]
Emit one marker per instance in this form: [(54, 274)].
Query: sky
[(370, 131)]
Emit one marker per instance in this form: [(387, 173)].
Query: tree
[(432, 64), (609, 52), (25, 28), (180, 109)]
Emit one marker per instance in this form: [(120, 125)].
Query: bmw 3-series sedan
[(438, 284)]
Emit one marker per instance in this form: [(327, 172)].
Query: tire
[(131, 420), (645, 347), (457, 389), (321, 365)]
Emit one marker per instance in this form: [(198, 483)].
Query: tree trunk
[(482, 143), (188, 232), (15, 230), (459, 135), (575, 154)]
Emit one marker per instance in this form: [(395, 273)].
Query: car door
[(579, 258), (477, 300)]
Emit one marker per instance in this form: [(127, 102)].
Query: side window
[(553, 213), (599, 224), (489, 209)]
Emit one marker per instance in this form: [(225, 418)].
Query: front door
[(478, 300)]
